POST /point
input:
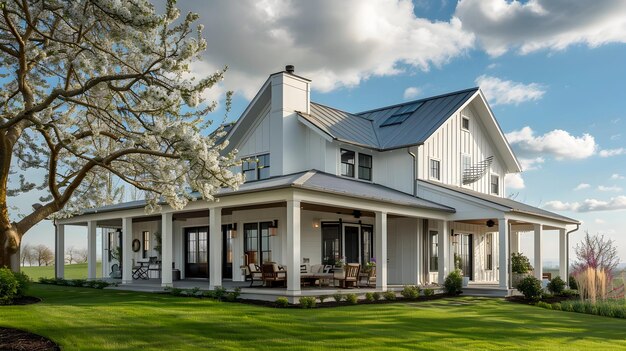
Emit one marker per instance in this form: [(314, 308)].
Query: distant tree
[(26, 254), (596, 252), (71, 254), (43, 255), (82, 255), (93, 91)]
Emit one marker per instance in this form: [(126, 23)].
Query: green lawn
[(72, 271), (86, 319)]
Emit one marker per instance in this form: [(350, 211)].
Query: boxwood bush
[(556, 285), (453, 283), (8, 286), (531, 288)]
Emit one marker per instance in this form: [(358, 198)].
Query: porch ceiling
[(516, 224)]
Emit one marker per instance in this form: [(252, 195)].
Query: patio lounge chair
[(255, 273), (369, 278), (351, 276), (154, 266), (272, 274)]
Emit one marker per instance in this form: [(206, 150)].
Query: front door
[(197, 252), (463, 256), (351, 244), (227, 253)]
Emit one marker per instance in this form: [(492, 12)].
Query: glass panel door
[(196, 252), (367, 244), (251, 243), (463, 254), (266, 252), (227, 253), (331, 249), (351, 244)]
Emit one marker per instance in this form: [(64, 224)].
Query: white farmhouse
[(417, 187)]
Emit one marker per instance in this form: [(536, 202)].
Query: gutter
[(567, 252), (408, 149)]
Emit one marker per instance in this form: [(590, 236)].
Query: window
[(401, 114), (331, 243), (257, 242), (365, 167), (434, 251), (256, 167), (347, 163), (435, 170), (146, 243), (495, 184), (465, 123), (489, 251)]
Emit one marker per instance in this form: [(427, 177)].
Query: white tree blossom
[(95, 90)]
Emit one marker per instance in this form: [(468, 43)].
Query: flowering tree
[(596, 252), (94, 89)]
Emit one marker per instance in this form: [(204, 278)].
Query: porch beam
[(563, 247), (167, 248), (127, 243), (380, 231), (215, 247), (59, 255), (503, 252), (443, 252), (293, 247), (91, 249), (538, 259)]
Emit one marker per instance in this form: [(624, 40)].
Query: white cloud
[(588, 205), (582, 186), (506, 92), (609, 188), (411, 93), (599, 221), (514, 181), (613, 152), (334, 43), (529, 164), (528, 26), (615, 136), (616, 176), (558, 143)]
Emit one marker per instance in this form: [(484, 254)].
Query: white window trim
[(469, 121), (430, 176), (499, 193)]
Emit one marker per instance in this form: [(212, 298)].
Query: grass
[(87, 319), (72, 271)]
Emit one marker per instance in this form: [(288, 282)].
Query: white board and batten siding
[(448, 145), (258, 139)]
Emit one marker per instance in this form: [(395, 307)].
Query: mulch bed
[(18, 340), (552, 299), (24, 300), (330, 302)]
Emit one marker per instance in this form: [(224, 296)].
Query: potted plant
[(520, 267)]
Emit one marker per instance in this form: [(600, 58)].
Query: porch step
[(487, 292)]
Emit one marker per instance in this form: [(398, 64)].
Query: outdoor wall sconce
[(490, 223), (274, 228), (316, 223), (232, 232), (356, 214)]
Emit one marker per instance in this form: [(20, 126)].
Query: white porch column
[(418, 251), (104, 236), (563, 247), (538, 265), (59, 255), (215, 247), (91, 249), (503, 253), (167, 248), (381, 250), (515, 238), (127, 243), (443, 252), (293, 246)]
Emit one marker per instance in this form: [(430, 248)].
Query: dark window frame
[(494, 187), (365, 169), (432, 169), (489, 252), (145, 236), (433, 255), (257, 166), (349, 167), (262, 246)]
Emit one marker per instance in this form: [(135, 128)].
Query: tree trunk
[(9, 246)]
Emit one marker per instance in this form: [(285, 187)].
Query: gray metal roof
[(366, 128), (310, 180), (512, 205)]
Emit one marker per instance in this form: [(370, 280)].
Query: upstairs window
[(435, 169), (256, 167), (401, 114), (465, 123), (495, 184), (347, 163), (365, 167)]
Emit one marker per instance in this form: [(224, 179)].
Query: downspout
[(567, 252), (408, 149)]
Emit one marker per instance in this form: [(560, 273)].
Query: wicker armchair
[(351, 276), (272, 274)]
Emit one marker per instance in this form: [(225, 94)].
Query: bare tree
[(26, 254), (82, 255), (43, 255), (596, 252), (96, 90), (71, 254)]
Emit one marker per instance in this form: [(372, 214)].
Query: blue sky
[(553, 72)]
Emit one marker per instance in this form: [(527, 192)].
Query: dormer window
[(495, 184), (347, 163), (465, 123), (256, 167)]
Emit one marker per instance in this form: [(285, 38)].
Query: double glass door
[(197, 253), (352, 242)]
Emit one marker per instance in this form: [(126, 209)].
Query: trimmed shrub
[(8, 286), (569, 293), (376, 296), (389, 295), (233, 295), (307, 301), (531, 288), (556, 306), (572, 283), (174, 291), (323, 297), (281, 302), (520, 264), (429, 292), (556, 285), (351, 299), (219, 293), (23, 283), (453, 283), (338, 297), (369, 297), (410, 292), (544, 305), (77, 282)]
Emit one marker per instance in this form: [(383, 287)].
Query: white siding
[(450, 142), (402, 251), (257, 140)]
